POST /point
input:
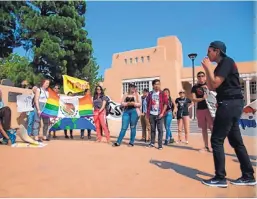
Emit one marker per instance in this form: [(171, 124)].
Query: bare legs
[(184, 121)]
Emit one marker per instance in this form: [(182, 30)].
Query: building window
[(141, 85), (148, 58), (131, 60), (136, 59), (126, 61), (142, 59), (253, 87)]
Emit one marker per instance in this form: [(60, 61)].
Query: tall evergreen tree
[(9, 26), (55, 31)]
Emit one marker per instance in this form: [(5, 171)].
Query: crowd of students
[(157, 109), (154, 109)]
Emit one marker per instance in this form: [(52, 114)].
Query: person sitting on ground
[(5, 120)]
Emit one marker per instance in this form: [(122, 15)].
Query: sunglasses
[(56, 88)]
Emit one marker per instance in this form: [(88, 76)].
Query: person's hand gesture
[(206, 63)]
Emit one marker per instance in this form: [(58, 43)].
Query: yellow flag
[(74, 85)]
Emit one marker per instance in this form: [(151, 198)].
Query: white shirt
[(43, 96), (155, 109)]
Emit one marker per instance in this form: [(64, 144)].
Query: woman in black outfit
[(183, 119)]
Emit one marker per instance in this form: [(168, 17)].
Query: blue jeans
[(31, 117), (129, 117), (167, 123)]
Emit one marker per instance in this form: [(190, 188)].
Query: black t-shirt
[(230, 87), (199, 91), (183, 105)]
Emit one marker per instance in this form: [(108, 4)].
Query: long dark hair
[(95, 92), (169, 98)]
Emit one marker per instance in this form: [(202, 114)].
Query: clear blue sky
[(121, 26)]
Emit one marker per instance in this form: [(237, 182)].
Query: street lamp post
[(192, 56)]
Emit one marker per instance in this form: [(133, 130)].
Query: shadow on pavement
[(183, 170)]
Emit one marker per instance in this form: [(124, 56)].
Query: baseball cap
[(219, 45)]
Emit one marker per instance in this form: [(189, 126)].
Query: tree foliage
[(9, 27), (55, 32), (17, 69), (90, 73)]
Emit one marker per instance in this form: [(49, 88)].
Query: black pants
[(226, 125), (65, 132), (82, 132), (155, 121)]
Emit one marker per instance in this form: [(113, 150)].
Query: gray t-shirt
[(99, 102)]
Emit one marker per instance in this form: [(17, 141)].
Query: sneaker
[(244, 181), (131, 145), (166, 142), (172, 140), (215, 182), (160, 148), (67, 137), (150, 145), (115, 144)]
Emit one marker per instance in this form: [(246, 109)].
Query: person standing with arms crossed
[(157, 103), (204, 118), (225, 81)]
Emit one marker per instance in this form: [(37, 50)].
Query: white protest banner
[(69, 107), (248, 120), (24, 103), (114, 109), (211, 102)]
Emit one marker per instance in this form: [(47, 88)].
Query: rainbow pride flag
[(85, 106), (52, 105)]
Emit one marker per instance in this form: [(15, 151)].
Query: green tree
[(90, 74), (17, 69), (55, 31), (9, 26)]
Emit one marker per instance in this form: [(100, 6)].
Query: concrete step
[(174, 127)]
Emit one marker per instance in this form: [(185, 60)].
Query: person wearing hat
[(131, 102), (225, 80)]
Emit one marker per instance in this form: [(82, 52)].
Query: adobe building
[(165, 62)]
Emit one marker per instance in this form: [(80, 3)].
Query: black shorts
[(181, 114)]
